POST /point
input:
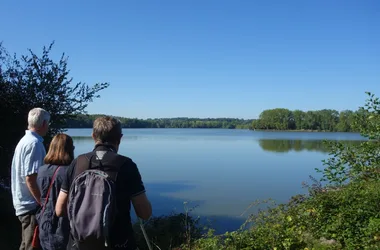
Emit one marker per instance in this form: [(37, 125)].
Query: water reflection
[(159, 195), (164, 204), (82, 138), (284, 146), (89, 138)]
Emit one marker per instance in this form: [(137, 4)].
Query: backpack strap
[(50, 186), (112, 174), (84, 162)]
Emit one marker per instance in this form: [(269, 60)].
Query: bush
[(347, 218), (10, 227), (169, 232), (345, 214)]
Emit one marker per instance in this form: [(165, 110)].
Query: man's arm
[(140, 202), (142, 206), (33, 160), (60, 206), (31, 182)]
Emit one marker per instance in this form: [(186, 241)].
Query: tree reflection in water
[(284, 146)]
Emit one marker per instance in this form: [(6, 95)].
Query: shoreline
[(301, 130), (258, 130)]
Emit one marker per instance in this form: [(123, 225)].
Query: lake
[(220, 171)]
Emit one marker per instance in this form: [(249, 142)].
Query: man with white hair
[(28, 157)]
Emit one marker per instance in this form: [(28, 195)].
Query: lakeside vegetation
[(319, 120), (86, 121), (278, 119)]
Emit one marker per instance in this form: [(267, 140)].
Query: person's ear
[(44, 127)]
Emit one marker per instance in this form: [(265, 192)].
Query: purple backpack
[(91, 203)]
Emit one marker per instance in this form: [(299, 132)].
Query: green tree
[(33, 81), (355, 162), (328, 119), (346, 118), (299, 119), (85, 121), (278, 119), (318, 120), (312, 120)]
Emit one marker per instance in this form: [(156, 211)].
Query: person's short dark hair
[(61, 150), (107, 129)]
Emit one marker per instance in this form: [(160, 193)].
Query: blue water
[(219, 170)]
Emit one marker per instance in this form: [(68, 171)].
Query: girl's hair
[(61, 150)]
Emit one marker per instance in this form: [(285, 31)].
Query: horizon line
[(177, 117)]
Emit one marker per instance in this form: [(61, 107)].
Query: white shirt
[(28, 157)]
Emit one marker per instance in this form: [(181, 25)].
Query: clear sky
[(208, 58)]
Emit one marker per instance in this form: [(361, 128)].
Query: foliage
[(339, 219), (345, 214), (272, 119), (319, 120), (357, 162), (85, 121), (32, 81), (166, 232), (171, 231), (10, 225), (278, 119)]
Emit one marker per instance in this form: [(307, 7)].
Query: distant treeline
[(86, 121), (319, 120), (270, 119)]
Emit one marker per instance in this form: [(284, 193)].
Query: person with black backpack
[(97, 193)]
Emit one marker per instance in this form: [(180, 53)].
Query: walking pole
[(144, 233)]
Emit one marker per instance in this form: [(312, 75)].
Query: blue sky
[(207, 58)]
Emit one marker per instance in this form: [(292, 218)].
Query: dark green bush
[(168, 232)]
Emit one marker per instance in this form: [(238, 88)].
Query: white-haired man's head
[(38, 121)]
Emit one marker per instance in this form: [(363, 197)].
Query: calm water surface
[(222, 171)]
